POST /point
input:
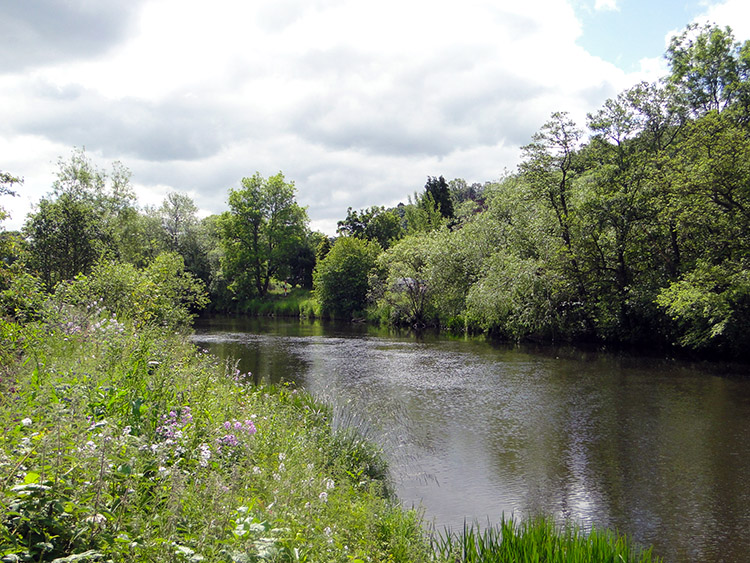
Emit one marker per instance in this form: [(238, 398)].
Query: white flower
[(26, 422), (204, 455), (97, 519), (323, 496), (328, 483)]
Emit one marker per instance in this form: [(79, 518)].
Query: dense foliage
[(120, 441), (632, 229), (342, 277)]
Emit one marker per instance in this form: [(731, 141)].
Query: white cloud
[(356, 102), (734, 13), (606, 5)]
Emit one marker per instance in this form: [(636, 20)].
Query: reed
[(536, 540)]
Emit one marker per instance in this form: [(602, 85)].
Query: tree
[(182, 233), (260, 233), (65, 238), (9, 242), (437, 188), (515, 298), (6, 183), (407, 289), (422, 215), (710, 68), (86, 216), (549, 169), (374, 223), (303, 260), (178, 219), (627, 246), (341, 279), (710, 307)]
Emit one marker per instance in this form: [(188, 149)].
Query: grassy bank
[(279, 303), (124, 444), (134, 446)]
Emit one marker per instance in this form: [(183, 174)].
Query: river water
[(655, 448)]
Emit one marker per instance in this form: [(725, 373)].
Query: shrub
[(341, 278)]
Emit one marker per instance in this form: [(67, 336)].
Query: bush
[(161, 294), (341, 278)]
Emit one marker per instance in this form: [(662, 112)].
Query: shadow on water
[(651, 446)]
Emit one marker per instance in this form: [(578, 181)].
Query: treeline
[(634, 230)]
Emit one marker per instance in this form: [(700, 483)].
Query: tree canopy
[(261, 233)]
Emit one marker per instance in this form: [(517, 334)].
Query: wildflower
[(282, 456), (257, 470), (328, 483), (229, 440), (204, 454), (276, 477), (126, 431), (26, 422), (96, 519), (282, 467), (323, 496)]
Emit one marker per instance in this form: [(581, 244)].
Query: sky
[(355, 102)]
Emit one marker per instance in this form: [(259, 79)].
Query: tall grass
[(130, 445), (536, 540), (295, 303)]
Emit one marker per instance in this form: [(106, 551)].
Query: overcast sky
[(356, 102)]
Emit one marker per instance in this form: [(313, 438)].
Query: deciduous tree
[(260, 233)]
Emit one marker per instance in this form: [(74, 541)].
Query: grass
[(294, 303), (119, 444), (135, 446), (536, 540)]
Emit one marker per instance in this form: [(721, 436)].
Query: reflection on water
[(657, 449)]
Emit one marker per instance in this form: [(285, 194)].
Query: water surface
[(653, 447)]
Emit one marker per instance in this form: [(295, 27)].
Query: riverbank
[(122, 444), (301, 304)]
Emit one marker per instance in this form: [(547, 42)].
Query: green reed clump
[(536, 540)]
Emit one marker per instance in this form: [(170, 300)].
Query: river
[(656, 448)]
